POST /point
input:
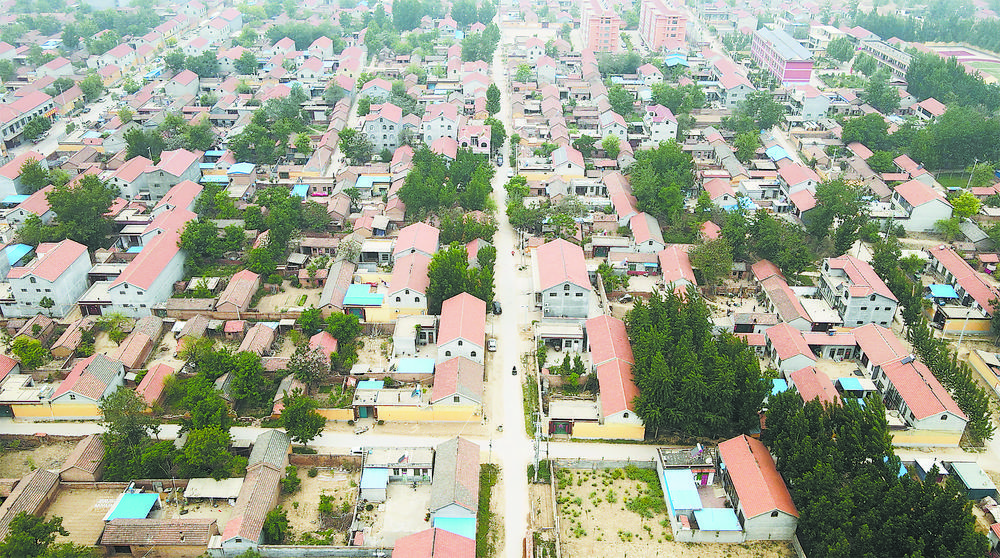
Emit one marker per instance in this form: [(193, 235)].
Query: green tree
[(36, 127), (714, 259), (464, 12), (141, 143), (47, 303), (447, 276), (585, 145), (92, 86), (746, 144), (299, 417), (949, 228), (492, 99), (882, 161), (406, 14), (356, 146), (982, 175), (965, 205), (247, 378), (34, 176), (758, 111), (201, 244), (309, 366), (303, 144), (81, 210), (29, 351), (865, 64), (127, 432), (29, 536), (246, 64), (612, 146), (871, 130), (364, 106), (7, 70), (498, 135), (310, 320), (275, 526), (840, 49), (206, 454), (621, 100), (659, 178), (523, 73), (879, 94)]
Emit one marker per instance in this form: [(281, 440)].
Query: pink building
[(601, 26), (781, 55), (661, 27)]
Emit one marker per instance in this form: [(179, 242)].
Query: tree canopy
[(691, 381), (449, 274), (659, 178), (81, 210)]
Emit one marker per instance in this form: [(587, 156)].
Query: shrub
[(290, 484), (326, 505), (313, 471)]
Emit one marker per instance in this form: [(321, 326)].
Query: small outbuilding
[(975, 481), (86, 462), (374, 482)]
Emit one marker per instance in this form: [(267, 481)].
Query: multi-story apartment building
[(661, 27), (856, 292), (59, 273), (781, 55), (888, 57), (600, 25)]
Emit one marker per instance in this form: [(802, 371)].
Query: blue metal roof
[(215, 178), (215, 152), (241, 168), (375, 477), (850, 383), (133, 506), (463, 526), (778, 385), (14, 199), (205, 166), (300, 190), (717, 519), (943, 291), (776, 153), (134, 249), (17, 251), (359, 294), (681, 489), (415, 366), (371, 384), (368, 181)]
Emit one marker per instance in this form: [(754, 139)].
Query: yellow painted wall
[(914, 437), (974, 327), (609, 431), (76, 146), (376, 277), (337, 414), (59, 411), (433, 413), (984, 371), (379, 315)]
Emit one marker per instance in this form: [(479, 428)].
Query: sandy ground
[(542, 516), (82, 511), (289, 299), (592, 526), (16, 464), (304, 518), (404, 512)]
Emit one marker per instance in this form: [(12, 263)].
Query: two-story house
[(58, 273), (440, 120), (858, 294), (562, 284), (382, 126), (408, 287), (921, 205), (462, 328)]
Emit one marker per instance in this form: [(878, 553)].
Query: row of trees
[(265, 138), (844, 480), (955, 376), (173, 133), (80, 211), (689, 380), (205, 64), (482, 45)]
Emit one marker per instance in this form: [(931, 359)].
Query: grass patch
[(530, 389), (486, 534), (650, 502), (958, 180), (544, 472)]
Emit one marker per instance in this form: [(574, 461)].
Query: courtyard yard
[(336, 490), (615, 513)]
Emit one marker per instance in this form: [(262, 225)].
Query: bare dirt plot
[(303, 506), (542, 516), (591, 525), (82, 511), (404, 512), (290, 298), (16, 464)]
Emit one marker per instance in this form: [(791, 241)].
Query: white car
[(491, 345)]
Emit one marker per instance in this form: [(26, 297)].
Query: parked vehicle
[(496, 308), (491, 345)]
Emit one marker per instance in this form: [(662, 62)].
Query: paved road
[(108, 102)]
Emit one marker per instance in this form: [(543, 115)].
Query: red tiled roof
[(410, 272), (811, 384), (718, 187), (862, 275), (786, 304), (87, 455), (675, 265), (434, 543), (240, 290), (151, 386), (182, 195), (158, 532), (608, 340), (260, 489), (12, 169), (755, 478), (917, 193), (804, 200), (879, 344), (177, 161), (710, 230), (132, 169), (7, 365), (154, 257), (645, 227), (418, 236), (920, 390), (909, 166), (965, 276), (788, 341), (28, 496), (560, 261), (134, 350), (89, 381), (37, 203), (458, 376), (53, 259), (763, 269), (617, 388), (463, 316), (324, 342), (797, 174)]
